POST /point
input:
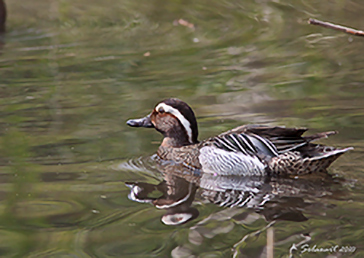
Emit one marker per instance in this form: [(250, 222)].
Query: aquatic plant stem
[(336, 27)]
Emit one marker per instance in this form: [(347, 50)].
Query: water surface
[(72, 73)]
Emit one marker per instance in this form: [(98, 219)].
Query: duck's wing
[(247, 144), (284, 139), (264, 130), (284, 150)]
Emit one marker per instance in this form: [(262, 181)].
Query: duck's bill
[(141, 122)]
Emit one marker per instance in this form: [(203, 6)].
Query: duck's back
[(296, 153)]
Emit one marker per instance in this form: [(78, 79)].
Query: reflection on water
[(184, 194), (277, 198), (72, 73)]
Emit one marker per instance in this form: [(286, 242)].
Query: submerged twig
[(336, 27), (270, 242), (236, 246)]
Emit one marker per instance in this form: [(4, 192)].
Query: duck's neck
[(175, 142), (176, 136)]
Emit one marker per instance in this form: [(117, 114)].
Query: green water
[(72, 73)]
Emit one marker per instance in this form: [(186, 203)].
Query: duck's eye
[(161, 110)]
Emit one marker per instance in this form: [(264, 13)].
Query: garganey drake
[(248, 150)]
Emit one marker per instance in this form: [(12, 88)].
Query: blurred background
[(72, 73)]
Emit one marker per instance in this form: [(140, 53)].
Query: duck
[(247, 150)]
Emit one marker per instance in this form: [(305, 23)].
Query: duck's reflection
[(175, 196), (275, 198)]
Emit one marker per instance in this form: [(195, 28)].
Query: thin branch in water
[(270, 242), (336, 27)]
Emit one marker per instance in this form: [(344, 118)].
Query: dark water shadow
[(2, 16)]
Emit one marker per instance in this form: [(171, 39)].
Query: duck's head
[(174, 119)]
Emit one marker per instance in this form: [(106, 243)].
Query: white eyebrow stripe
[(186, 124)]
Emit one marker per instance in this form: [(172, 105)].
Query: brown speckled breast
[(186, 155)]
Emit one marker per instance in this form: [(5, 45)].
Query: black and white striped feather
[(252, 145)]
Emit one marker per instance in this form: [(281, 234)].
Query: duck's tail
[(308, 159)]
